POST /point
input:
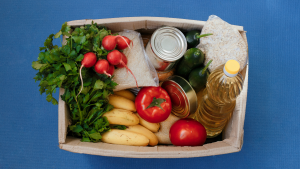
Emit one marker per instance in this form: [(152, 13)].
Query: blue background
[(29, 125)]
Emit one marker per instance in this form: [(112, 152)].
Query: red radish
[(115, 58), (124, 59), (89, 60), (102, 67), (123, 42), (109, 42), (111, 69)]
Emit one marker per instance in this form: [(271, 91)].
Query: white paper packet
[(138, 63), (226, 43)]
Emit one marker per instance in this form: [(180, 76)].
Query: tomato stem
[(156, 102)]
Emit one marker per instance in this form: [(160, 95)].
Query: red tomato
[(153, 104), (187, 132)]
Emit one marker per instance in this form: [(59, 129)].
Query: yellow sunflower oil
[(223, 86)]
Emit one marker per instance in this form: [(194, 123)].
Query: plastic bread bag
[(226, 43), (138, 63)]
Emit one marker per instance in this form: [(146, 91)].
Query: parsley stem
[(80, 114), (92, 95), (60, 41), (99, 115)]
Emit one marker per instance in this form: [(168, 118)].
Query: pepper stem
[(203, 35), (205, 68)]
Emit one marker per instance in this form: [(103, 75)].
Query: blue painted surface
[(28, 123)]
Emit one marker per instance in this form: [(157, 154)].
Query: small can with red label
[(183, 96), (166, 46)]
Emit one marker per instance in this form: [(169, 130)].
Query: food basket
[(232, 135)]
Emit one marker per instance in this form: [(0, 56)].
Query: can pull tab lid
[(231, 68)]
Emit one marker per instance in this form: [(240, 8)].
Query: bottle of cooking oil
[(223, 86)]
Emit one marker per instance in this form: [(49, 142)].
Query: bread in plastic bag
[(138, 63), (226, 43)]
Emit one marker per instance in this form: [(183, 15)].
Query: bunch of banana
[(123, 114)]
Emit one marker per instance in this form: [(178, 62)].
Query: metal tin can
[(183, 96), (166, 46)]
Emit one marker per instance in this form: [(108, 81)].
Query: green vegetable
[(59, 67), (120, 127), (192, 58), (198, 77), (192, 38)]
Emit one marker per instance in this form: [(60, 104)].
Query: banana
[(154, 127), (115, 136), (121, 103), (125, 93), (122, 117), (153, 141)]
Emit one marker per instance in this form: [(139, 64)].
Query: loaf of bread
[(163, 133)]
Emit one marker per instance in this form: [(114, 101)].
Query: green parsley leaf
[(80, 57), (57, 35), (41, 56), (65, 27), (99, 104), (98, 85), (120, 127), (54, 101), (103, 33), (86, 98), (85, 90), (48, 43), (109, 107), (36, 65), (96, 96), (76, 128), (95, 136), (49, 98), (67, 66), (85, 139), (66, 50), (105, 94), (79, 39), (78, 48), (73, 53), (66, 33)]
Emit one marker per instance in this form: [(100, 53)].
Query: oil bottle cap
[(231, 68)]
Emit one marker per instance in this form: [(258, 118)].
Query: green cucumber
[(183, 69), (193, 58), (192, 38), (198, 77)]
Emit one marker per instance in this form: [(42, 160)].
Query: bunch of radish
[(114, 57)]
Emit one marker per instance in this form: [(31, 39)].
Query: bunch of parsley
[(58, 67)]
